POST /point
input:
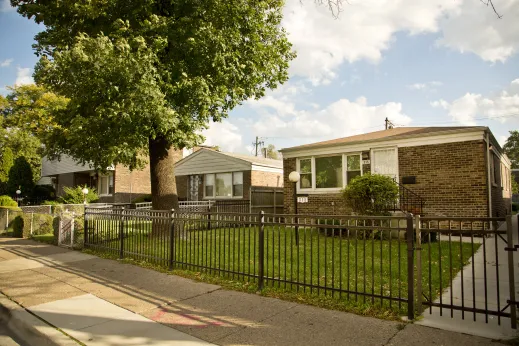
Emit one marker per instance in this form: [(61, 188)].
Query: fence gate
[(475, 278), (66, 230)]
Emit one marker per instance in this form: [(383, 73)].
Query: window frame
[(232, 185), (314, 188)]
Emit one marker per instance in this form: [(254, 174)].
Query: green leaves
[(135, 70), (371, 194), (511, 148)]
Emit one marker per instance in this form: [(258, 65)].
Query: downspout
[(489, 182)]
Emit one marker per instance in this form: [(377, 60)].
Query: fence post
[(410, 268), (517, 245), (7, 219), (261, 250), (121, 235), (85, 227), (418, 249), (72, 223), (60, 228), (209, 216), (171, 239), (32, 222), (511, 277)]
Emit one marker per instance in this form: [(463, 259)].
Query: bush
[(17, 226), (515, 206), (371, 194), (45, 192), (51, 203), (6, 201), (75, 195), (141, 199)]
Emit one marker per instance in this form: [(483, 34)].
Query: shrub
[(141, 199), (17, 226), (75, 195), (45, 192), (371, 194), (51, 203), (6, 201)]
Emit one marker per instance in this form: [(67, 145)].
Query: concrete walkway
[(104, 302), (475, 295)]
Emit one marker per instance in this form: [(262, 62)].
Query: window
[(353, 168), (223, 185), (237, 184), (328, 172), (106, 184), (305, 173), (209, 185)]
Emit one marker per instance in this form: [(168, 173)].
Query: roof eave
[(403, 136)]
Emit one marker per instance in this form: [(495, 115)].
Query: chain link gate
[(66, 232)]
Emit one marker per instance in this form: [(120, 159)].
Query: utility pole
[(257, 144)]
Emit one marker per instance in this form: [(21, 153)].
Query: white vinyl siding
[(207, 161)]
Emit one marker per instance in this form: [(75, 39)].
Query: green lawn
[(320, 264), (45, 238)]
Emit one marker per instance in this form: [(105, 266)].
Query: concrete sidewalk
[(104, 302)]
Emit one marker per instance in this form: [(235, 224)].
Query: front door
[(385, 161)]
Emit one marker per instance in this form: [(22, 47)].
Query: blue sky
[(419, 63)]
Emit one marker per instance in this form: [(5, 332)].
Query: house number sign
[(366, 162), (302, 199)]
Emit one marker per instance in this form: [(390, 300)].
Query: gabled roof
[(239, 158), (389, 134)]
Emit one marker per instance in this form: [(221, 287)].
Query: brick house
[(213, 175), (117, 185), (454, 171)]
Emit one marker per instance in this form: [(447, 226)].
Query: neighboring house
[(455, 171), (117, 185), (213, 175)]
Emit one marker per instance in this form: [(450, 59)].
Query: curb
[(29, 328)]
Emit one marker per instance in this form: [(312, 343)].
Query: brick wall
[(182, 187), (270, 179), (452, 177), (320, 204), (129, 185)]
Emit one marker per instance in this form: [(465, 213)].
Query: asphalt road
[(7, 338)]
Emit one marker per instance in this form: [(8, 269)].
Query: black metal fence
[(477, 254), (362, 259)]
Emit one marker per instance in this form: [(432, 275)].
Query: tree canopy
[(146, 76), (511, 148)]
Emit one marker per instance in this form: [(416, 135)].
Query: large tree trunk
[(163, 184)]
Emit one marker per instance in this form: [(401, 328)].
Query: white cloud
[(6, 63), (429, 86), (366, 28), (5, 5), (225, 135), (363, 31), (24, 76), (417, 86), (339, 119), (470, 107), (474, 27)]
